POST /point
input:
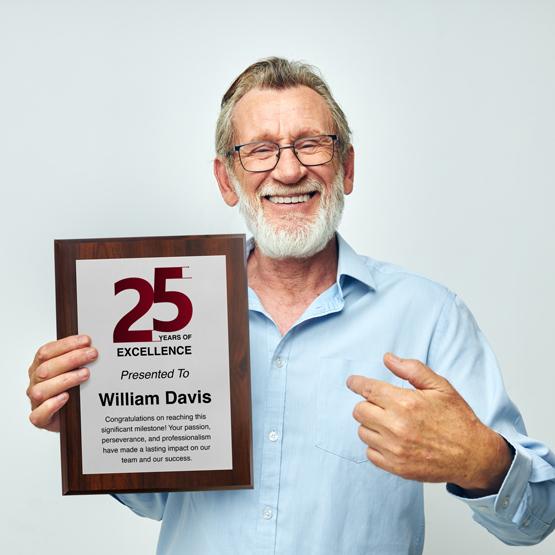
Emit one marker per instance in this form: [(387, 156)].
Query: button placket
[(270, 470)]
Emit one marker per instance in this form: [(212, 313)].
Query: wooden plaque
[(167, 406)]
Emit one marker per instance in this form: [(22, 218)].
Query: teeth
[(289, 200)]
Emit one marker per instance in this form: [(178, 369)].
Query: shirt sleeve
[(523, 511), (149, 505)]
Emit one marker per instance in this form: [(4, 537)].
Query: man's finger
[(63, 363), (41, 391), (415, 372), (56, 348), (377, 392), (372, 438), (370, 415), (376, 451), (375, 457), (44, 415)]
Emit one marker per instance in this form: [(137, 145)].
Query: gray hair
[(278, 73)]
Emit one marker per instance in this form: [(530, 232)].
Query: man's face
[(292, 210)]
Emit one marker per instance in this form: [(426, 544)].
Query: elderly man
[(324, 324)]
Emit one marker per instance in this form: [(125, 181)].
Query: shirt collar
[(349, 263)]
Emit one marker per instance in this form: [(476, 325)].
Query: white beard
[(293, 235)]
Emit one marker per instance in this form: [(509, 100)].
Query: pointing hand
[(429, 434)]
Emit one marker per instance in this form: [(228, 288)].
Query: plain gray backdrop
[(107, 113)]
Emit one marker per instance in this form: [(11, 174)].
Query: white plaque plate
[(163, 404)]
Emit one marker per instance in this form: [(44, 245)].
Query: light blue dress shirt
[(314, 491)]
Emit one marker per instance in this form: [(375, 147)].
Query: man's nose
[(288, 170)]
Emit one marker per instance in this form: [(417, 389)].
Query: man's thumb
[(415, 372)]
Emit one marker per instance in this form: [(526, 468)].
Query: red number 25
[(147, 297)]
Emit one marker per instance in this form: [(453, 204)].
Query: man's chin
[(281, 242), (290, 230)]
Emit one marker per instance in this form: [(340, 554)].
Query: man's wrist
[(490, 466)]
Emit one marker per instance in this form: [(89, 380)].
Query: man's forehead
[(280, 114)]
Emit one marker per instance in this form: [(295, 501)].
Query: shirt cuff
[(507, 500), (147, 505)]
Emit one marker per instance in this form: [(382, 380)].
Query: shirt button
[(273, 436), (505, 502), (279, 362), (267, 513)]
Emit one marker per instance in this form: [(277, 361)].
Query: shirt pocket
[(336, 429)]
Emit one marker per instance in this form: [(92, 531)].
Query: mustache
[(276, 189)]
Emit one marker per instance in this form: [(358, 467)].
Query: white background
[(107, 113)]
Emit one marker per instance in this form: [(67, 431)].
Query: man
[(324, 323)]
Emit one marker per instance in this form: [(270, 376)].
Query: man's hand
[(429, 434), (57, 367)]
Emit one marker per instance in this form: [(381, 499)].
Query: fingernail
[(83, 340), (349, 380), (90, 353), (83, 373), (395, 358), (62, 397)]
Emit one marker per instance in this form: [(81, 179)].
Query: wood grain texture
[(233, 247)]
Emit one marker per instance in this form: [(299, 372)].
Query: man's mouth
[(291, 199)]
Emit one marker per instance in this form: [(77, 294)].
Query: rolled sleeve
[(514, 515), (523, 511)]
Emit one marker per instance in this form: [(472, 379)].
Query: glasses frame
[(237, 148)]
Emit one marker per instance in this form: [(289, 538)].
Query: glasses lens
[(313, 151), (258, 157)]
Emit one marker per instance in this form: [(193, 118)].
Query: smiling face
[(292, 210)]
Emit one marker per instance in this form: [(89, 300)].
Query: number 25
[(147, 297)]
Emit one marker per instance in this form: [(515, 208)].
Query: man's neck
[(287, 287)]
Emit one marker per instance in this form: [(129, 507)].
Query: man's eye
[(258, 150), (307, 145)]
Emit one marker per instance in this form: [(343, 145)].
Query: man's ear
[(349, 171), (224, 182)]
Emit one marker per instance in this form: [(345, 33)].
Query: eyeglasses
[(263, 156)]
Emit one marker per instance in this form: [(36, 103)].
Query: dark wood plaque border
[(233, 247)]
